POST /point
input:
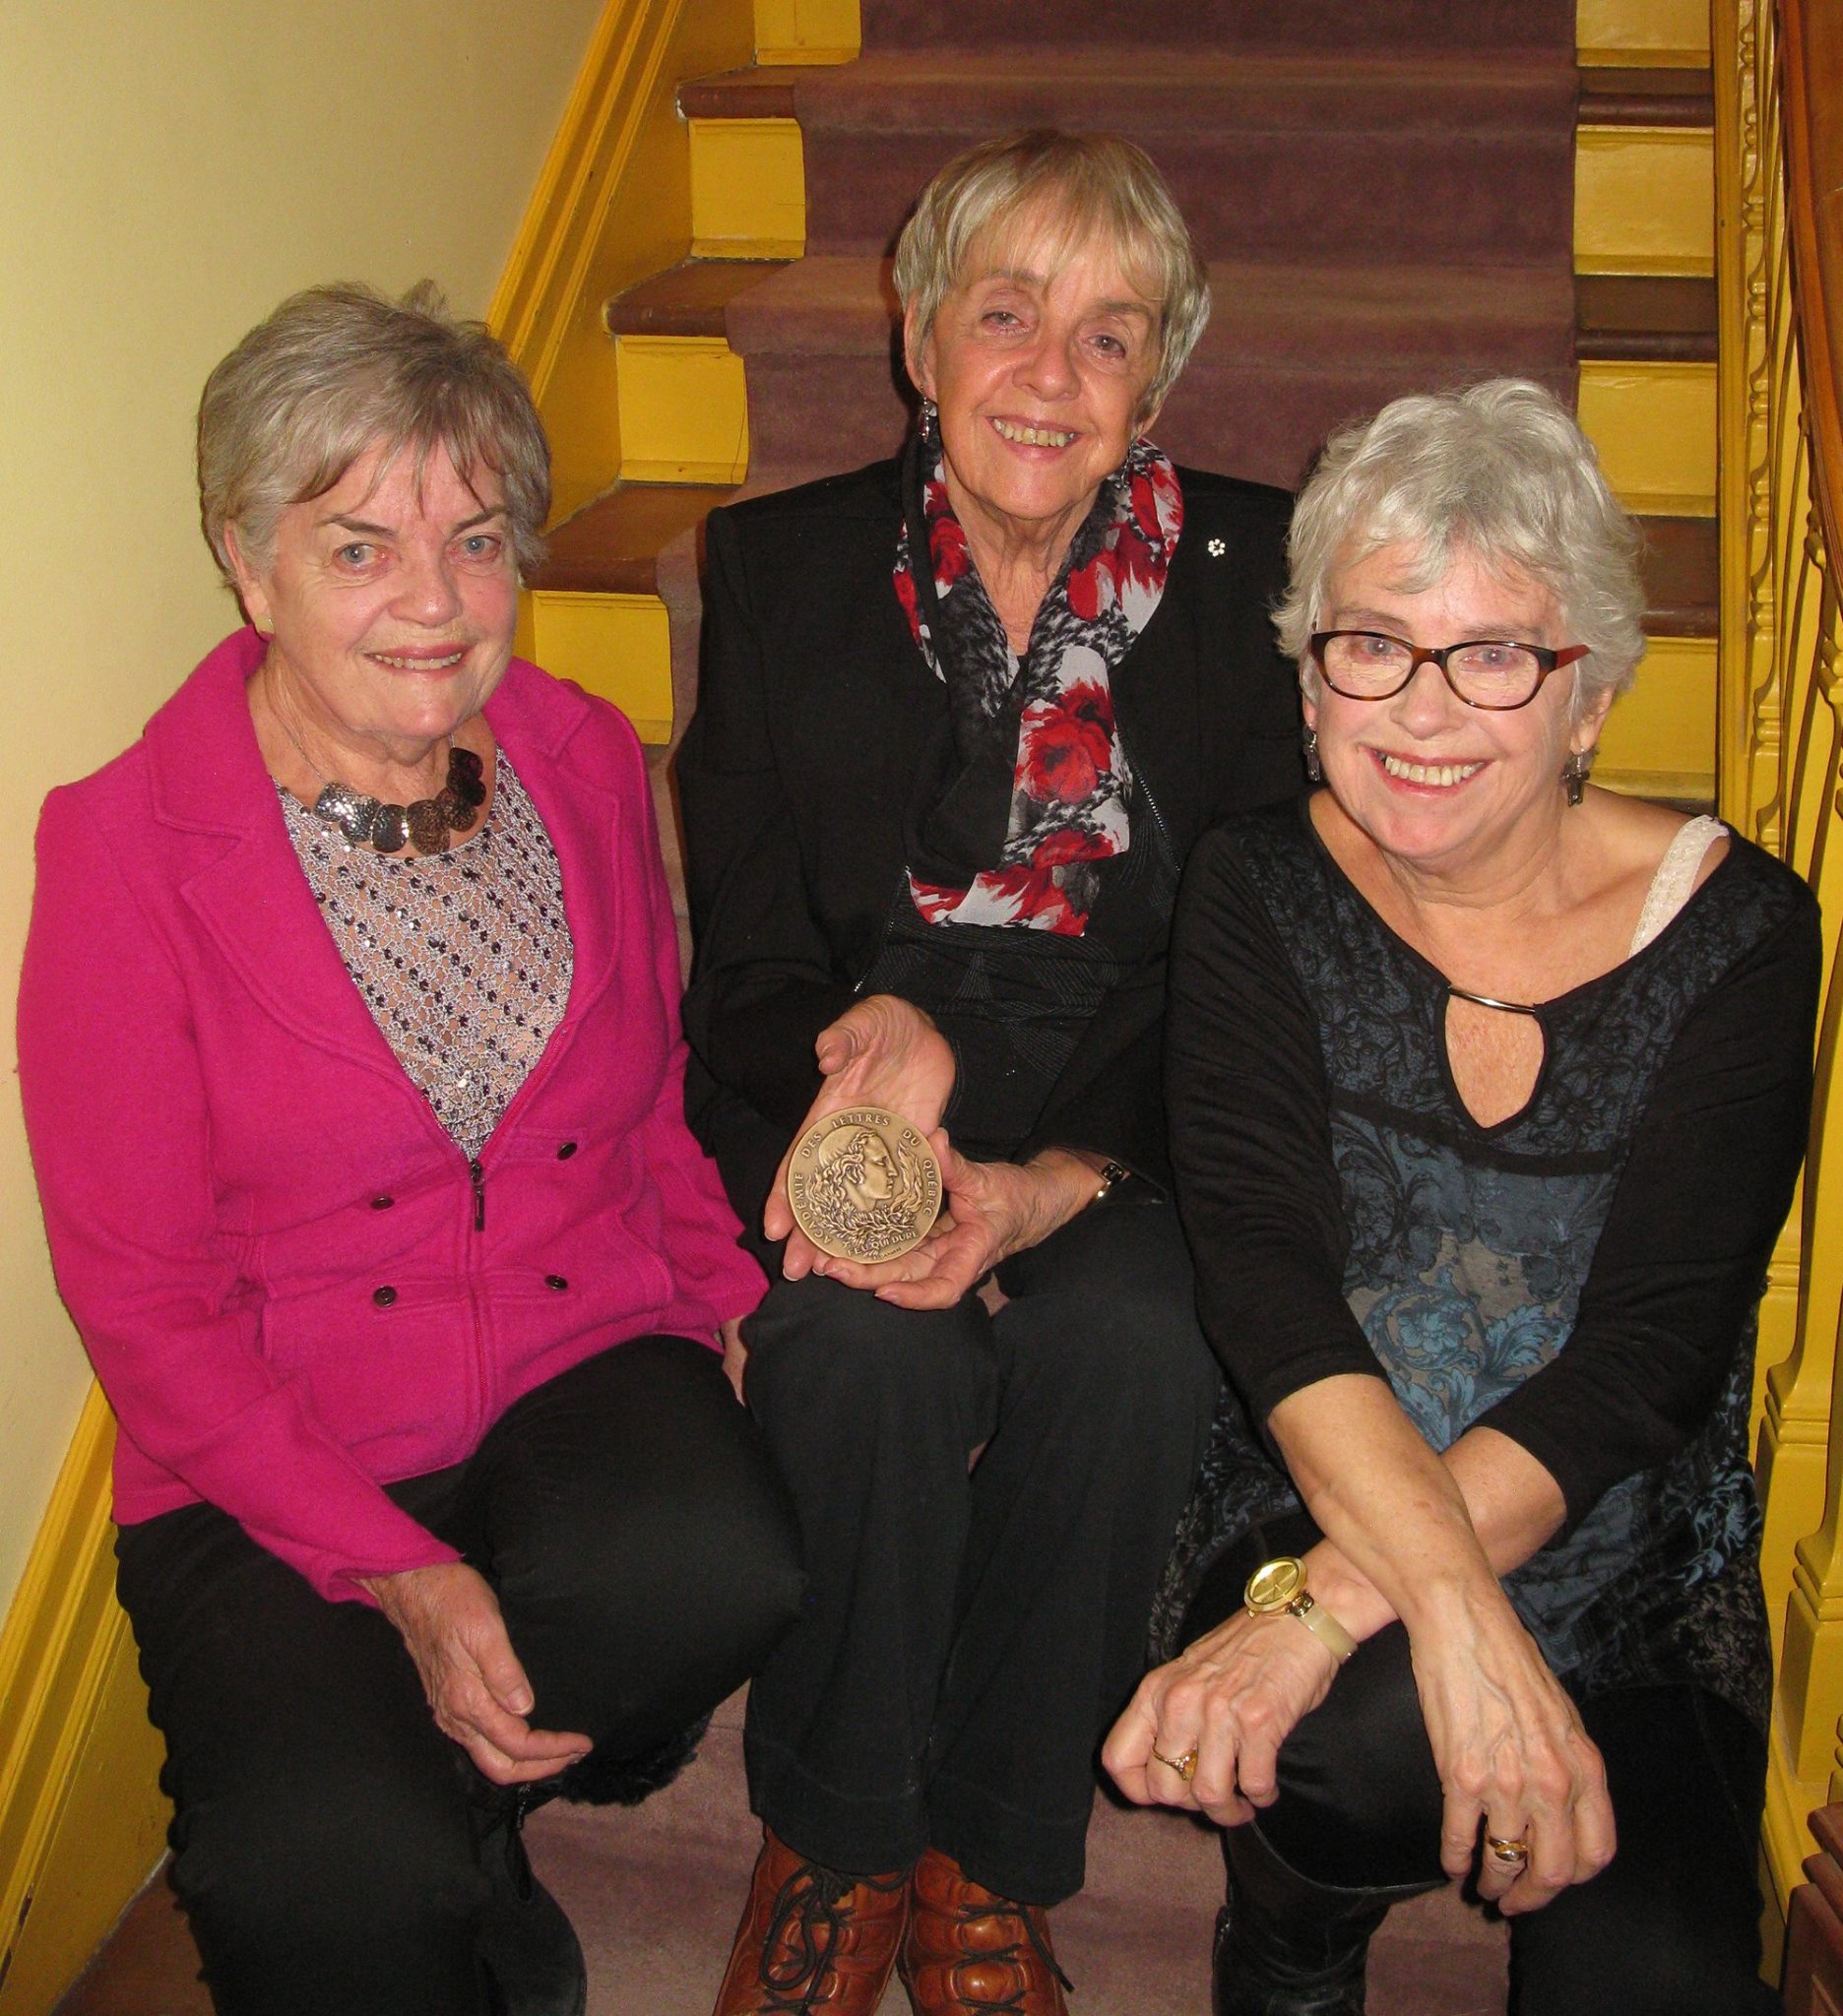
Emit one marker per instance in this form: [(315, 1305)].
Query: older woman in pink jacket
[(348, 1040)]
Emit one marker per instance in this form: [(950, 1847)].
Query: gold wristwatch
[(1279, 1586)]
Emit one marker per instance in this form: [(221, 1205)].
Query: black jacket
[(813, 705)]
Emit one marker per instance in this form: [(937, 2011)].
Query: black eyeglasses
[(1494, 673)]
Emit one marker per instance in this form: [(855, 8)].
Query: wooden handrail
[(1812, 87)]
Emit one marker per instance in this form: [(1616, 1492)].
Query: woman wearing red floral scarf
[(961, 716)]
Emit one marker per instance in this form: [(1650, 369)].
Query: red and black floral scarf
[(1034, 794)]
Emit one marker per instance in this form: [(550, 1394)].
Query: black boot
[(1285, 1946), (529, 1948)]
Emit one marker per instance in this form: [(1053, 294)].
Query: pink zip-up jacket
[(293, 1283)]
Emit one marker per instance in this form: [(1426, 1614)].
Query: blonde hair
[(1078, 186), (334, 371), (1499, 471)]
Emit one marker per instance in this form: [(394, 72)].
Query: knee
[(830, 1355), (656, 1605)]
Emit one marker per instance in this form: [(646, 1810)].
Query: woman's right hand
[(1231, 1697), (476, 1688), (882, 1051), (1513, 1758)]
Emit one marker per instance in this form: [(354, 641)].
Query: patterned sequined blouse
[(462, 958)]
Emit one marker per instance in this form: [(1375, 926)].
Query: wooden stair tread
[(762, 92), (949, 89), (687, 299), (612, 546), (1617, 97), (1645, 318), (1502, 27), (1682, 574)]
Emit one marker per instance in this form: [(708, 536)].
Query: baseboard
[(81, 1813)]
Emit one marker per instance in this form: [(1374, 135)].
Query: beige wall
[(168, 170)]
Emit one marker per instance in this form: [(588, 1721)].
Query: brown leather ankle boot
[(970, 1950), (812, 1941)]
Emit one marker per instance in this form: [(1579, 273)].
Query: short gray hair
[(1084, 185), (337, 370), (1500, 470)]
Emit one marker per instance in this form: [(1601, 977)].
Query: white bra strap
[(1674, 878)]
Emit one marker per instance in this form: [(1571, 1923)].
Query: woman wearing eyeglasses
[(1487, 1094)]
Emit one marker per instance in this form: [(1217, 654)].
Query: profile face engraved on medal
[(864, 1185)]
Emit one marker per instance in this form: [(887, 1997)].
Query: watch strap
[(1323, 1624)]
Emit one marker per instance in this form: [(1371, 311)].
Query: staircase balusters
[(1780, 255)]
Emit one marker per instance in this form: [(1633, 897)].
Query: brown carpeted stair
[(1376, 220)]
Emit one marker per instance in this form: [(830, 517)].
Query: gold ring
[(1184, 1766), (1512, 1854)]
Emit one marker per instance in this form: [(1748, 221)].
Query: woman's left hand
[(989, 1210), (1232, 1697), (1514, 1760), (477, 1690)]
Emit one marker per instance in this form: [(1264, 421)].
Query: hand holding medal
[(871, 1181)]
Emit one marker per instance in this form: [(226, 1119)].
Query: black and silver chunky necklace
[(428, 823)]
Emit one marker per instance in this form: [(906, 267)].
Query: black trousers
[(1669, 1928), (324, 1840), (967, 1639)]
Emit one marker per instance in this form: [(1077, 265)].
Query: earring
[(1577, 770), (931, 420), (1308, 742)]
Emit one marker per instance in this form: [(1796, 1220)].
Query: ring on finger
[(1510, 1853), (1184, 1766)]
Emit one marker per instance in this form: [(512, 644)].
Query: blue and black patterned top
[(1582, 1277)]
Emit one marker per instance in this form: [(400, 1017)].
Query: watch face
[(1274, 1583)]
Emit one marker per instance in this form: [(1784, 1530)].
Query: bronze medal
[(864, 1185)]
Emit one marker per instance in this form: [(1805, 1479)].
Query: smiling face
[(1435, 784), (390, 603), (1039, 360)]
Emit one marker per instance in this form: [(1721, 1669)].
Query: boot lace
[(809, 1914)]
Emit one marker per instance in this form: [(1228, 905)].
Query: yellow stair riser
[(748, 189), (615, 645), (1654, 425), (1639, 33), (807, 31), (1644, 200), (684, 402), (1659, 741)]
